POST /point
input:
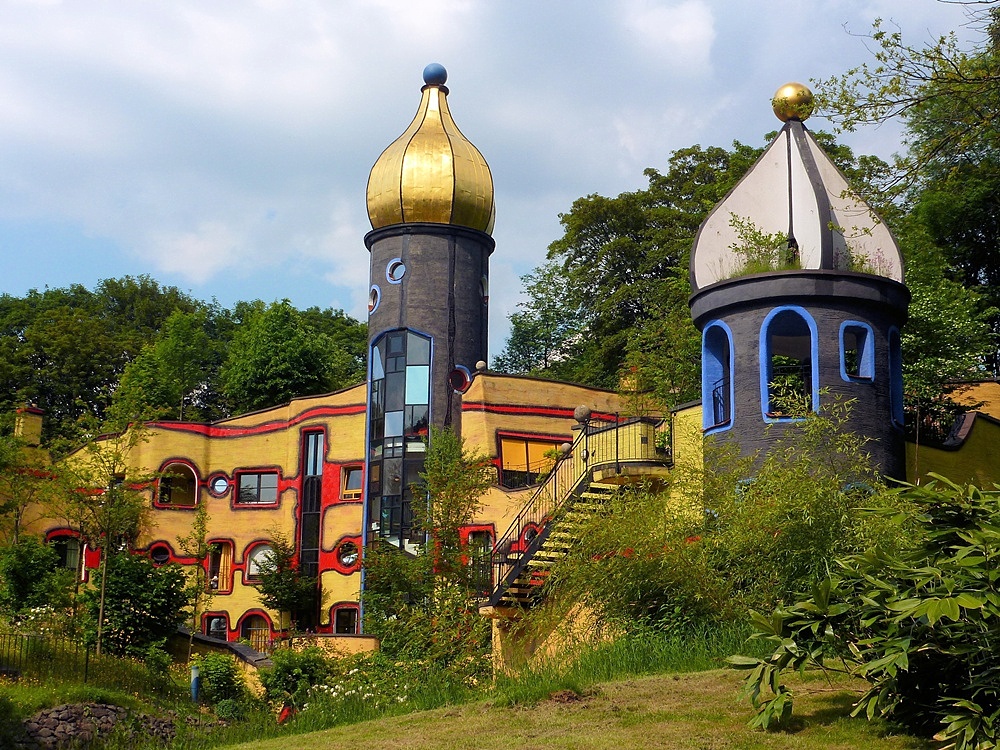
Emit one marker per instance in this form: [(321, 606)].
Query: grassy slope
[(698, 710)]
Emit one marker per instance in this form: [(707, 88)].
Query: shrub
[(11, 729), (293, 673), (220, 679), (731, 536), (143, 604), (30, 576), (368, 685), (922, 626)]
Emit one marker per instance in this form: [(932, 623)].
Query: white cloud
[(679, 34), (199, 254)]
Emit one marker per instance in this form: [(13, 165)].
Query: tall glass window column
[(398, 418)]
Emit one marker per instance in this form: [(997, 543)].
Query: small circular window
[(374, 297), (395, 271), (159, 554), (459, 379), (218, 486), (347, 554)]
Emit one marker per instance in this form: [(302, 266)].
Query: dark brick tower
[(798, 292)]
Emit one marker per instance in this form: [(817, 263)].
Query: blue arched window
[(789, 376), (857, 351), (717, 377)]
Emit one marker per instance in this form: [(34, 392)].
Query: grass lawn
[(694, 710)]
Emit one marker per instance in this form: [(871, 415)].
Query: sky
[(224, 147)]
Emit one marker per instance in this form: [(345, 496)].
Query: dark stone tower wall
[(442, 294), (830, 299)]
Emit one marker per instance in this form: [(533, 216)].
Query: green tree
[(949, 102), (65, 349), (29, 486), (109, 504), (196, 546), (422, 607), (164, 377), (142, 605), (282, 585), (30, 576), (620, 256), (454, 480), (544, 328), (276, 355)]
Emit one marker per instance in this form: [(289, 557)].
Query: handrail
[(625, 441)]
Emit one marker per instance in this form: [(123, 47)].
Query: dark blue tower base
[(777, 344)]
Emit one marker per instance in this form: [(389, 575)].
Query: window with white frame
[(259, 556)]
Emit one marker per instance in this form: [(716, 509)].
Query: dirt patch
[(565, 696)]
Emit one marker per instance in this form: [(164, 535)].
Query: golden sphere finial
[(793, 101)]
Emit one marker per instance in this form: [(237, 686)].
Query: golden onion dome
[(431, 173)]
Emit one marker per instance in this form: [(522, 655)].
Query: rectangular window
[(351, 484), (258, 488), (345, 621), (220, 567), (523, 461)]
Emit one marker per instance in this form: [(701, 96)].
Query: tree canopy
[(132, 349)]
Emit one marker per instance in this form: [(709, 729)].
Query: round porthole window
[(159, 554), (218, 486), (374, 297), (395, 271), (459, 379), (347, 554)]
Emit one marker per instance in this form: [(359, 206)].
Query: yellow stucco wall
[(972, 461)]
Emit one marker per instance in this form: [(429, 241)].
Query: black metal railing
[(597, 445), (720, 401), (50, 658)]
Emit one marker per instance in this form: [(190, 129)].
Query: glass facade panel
[(398, 423), (417, 384)]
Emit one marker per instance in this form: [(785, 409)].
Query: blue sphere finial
[(435, 74)]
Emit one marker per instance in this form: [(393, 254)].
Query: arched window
[(257, 556), (857, 351), (789, 378), (398, 420), (256, 629), (717, 377), (178, 486)]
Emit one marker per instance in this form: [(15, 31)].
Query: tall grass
[(643, 652)]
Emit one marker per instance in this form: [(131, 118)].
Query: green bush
[(731, 536), (293, 673), (30, 577), (220, 679), (230, 709), (921, 626), (143, 604), (368, 685)]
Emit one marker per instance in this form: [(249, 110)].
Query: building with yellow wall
[(334, 473)]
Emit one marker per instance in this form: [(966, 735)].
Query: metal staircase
[(602, 458)]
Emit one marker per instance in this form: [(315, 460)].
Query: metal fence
[(48, 658)]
